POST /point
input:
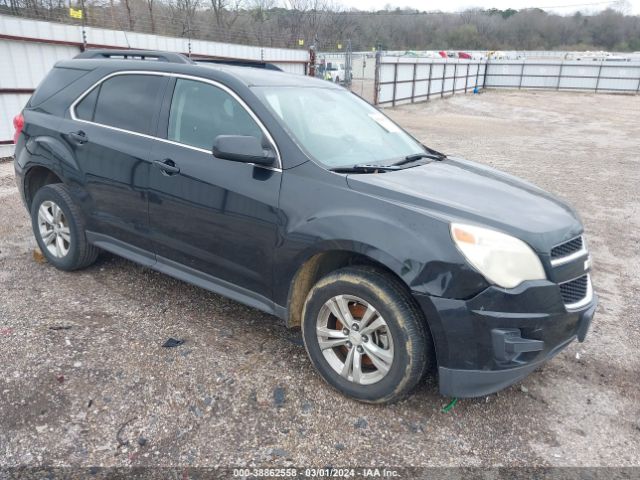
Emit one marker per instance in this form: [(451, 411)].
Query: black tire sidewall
[(394, 383), (70, 260)]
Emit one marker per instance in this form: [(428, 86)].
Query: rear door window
[(201, 111), (130, 102)]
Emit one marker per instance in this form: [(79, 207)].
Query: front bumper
[(498, 337)]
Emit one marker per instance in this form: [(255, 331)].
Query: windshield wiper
[(440, 155), (372, 168), (417, 156), (365, 168)]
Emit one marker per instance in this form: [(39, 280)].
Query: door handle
[(79, 137), (167, 166)]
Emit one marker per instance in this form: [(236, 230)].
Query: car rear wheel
[(365, 335), (59, 228)]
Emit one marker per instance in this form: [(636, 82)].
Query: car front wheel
[(365, 335)]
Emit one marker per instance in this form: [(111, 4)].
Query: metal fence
[(602, 76), (400, 80)]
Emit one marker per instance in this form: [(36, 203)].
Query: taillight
[(18, 124)]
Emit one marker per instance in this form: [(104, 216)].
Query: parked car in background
[(296, 197), (334, 71), (598, 57)]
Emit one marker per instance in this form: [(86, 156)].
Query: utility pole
[(312, 57), (312, 61), (348, 65), (84, 24), (188, 31)]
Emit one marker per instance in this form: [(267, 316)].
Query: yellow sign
[(301, 43), (73, 13), (339, 46)]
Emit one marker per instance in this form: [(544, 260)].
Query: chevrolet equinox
[(294, 196)]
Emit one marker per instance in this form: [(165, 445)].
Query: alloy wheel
[(54, 229), (355, 339)]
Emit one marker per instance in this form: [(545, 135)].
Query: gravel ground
[(84, 379)]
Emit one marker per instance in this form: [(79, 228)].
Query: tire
[(403, 346), (68, 226)]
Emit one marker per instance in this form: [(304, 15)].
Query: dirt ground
[(84, 379)]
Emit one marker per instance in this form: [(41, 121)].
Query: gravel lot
[(84, 379)]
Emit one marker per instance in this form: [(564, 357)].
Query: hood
[(463, 191)]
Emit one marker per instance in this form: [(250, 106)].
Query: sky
[(563, 7)]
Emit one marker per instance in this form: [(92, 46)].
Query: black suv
[(294, 196)]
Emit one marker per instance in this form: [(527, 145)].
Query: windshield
[(336, 128)]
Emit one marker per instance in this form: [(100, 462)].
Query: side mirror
[(242, 148)]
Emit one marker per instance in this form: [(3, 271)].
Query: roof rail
[(238, 63), (124, 54)]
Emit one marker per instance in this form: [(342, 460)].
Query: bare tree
[(151, 17), (275, 23), (260, 15), (182, 14), (131, 21)]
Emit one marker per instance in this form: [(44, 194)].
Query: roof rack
[(238, 63), (123, 54)]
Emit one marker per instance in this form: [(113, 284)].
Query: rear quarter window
[(56, 80), (87, 106)]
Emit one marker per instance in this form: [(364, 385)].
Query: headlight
[(501, 258)]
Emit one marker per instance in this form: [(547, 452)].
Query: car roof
[(247, 75)]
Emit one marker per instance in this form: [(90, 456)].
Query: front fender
[(415, 246)]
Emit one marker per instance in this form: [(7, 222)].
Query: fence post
[(444, 74), (395, 83), (348, 65), (413, 84), (429, 81), (455, 70), (376, 79), (466, 79), (598, 79), (560, 75), (638, 88), (521, 75), (486, 69), (477, 75), (312, 61)]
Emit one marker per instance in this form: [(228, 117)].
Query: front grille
[(575, 290), (567, 248)]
